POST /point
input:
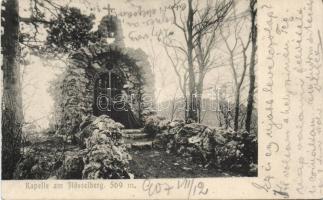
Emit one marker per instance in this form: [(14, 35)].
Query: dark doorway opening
[(110, 98)]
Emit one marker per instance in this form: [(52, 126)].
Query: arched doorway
[(110, 98)]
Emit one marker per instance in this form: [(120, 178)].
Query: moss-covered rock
[(104, 154), (219, 147)]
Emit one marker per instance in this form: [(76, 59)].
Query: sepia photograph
[(129, 89)]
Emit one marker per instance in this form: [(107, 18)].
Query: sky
[(142, 21)]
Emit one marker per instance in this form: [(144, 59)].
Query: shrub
[(33, 165), (71, 168), (104, 155), (101, 155), (154, 125), (218, 147)]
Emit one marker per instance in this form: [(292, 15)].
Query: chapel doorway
[(110, 98)]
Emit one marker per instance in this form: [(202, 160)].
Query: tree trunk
[(237, 110), (252, 76), (185, 101), (192, 113), (199, 91), (12, 116)]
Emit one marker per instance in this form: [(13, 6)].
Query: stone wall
[(85, 66)]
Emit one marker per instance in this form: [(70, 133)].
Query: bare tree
[(206, 41), (252, 75), (198, 28), (153, 59), (174, 106), (181, 72), (36, 19), (240, 47)]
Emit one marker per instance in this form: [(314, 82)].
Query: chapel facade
[(106, 78)]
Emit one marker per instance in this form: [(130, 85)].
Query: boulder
[(192, 129), (218, 138), (104, 122), (104, 155), (163, 124), (151, 125), (176, 123), (92, 171), (104, 161), (95, 125), (219, 147)]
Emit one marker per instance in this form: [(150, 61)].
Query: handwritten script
[(290, 85), (189, 186)]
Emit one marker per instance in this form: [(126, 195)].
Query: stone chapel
[(106, 78)]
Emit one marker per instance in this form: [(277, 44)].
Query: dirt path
[(150, 163)]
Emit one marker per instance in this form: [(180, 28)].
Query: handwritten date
[(189, 185)]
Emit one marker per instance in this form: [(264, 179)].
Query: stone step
[(135, 135), (131, 131), (142, 145), (131, 140)]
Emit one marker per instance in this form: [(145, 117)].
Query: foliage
[(71, 168), (217, 147), (154, 124), (71, 30), (69, 93), (29, 168), (38, 163), (104, 155), (101, 155)]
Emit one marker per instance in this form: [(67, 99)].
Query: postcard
[(161, 99)]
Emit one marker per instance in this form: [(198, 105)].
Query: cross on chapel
[(109, 9)]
